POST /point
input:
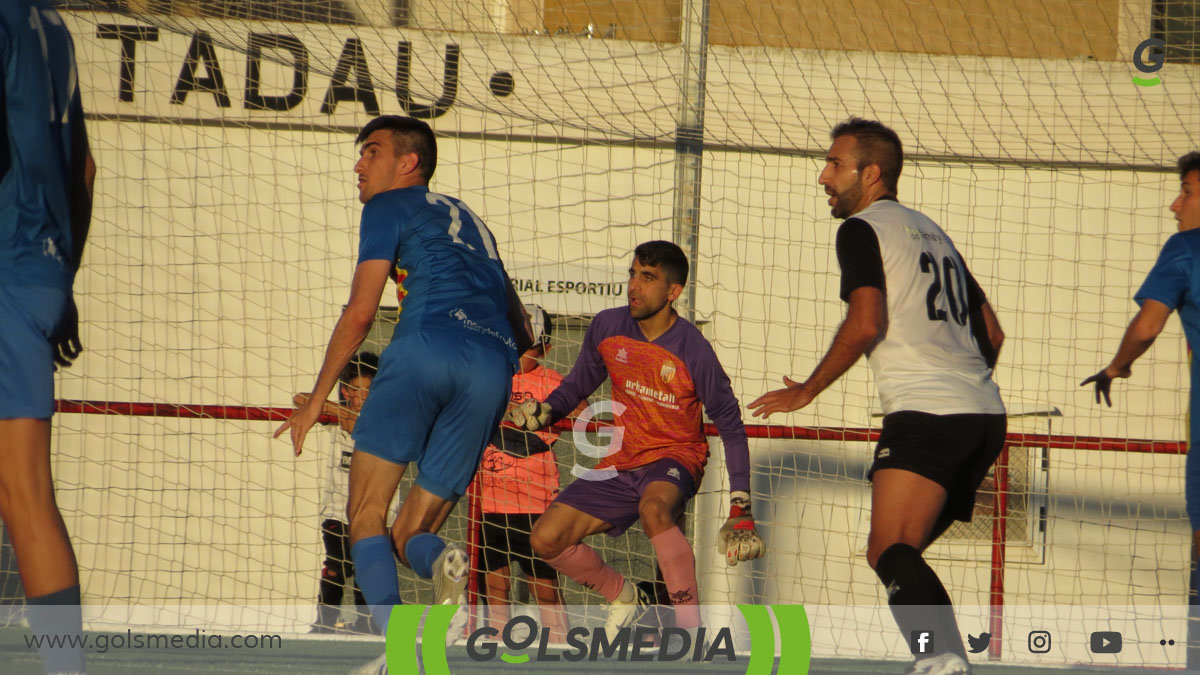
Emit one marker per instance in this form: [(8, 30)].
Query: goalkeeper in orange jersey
[(664, 372)]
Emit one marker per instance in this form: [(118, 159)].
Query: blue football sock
[(56, 614), (421, 550), (375, 571)]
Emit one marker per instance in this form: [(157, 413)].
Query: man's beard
[(645, 311), (847, 200)]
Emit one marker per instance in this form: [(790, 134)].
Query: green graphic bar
[(401, 646), (795, 640), (762, 639), (433, 639)]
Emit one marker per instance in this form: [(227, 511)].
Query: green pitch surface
[(302, 656)]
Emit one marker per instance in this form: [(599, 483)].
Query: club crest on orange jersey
[(667, 372)]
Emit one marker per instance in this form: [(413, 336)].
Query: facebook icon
[(920, 642)]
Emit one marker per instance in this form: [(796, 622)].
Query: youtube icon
[(1106, 642)]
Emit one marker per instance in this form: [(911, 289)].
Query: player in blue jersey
[(46, 175), (444, 380), (1173, 284)]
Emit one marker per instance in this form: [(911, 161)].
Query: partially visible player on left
[(46, 177)]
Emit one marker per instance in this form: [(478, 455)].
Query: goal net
[(225, 235)]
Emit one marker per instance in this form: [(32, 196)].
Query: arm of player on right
[(352, 327), (866, 321), (862, 286), (1139, 335)]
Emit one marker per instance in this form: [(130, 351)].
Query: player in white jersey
[(932, 340)]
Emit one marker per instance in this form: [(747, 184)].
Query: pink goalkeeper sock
[(678, 564), (582, 564)]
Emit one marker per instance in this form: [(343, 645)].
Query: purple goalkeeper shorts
[(615, 500)]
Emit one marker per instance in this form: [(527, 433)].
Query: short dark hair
[(364, 364), (1189, 163), (667, 255), (411, 135), (877, 145)]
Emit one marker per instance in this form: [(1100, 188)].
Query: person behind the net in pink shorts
[(518, 479)]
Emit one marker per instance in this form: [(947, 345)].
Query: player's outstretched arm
[(1140, 334), (865, 323), (352, 327), (739, 537)]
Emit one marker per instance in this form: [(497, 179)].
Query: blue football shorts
[(436, 401), (29, 315)]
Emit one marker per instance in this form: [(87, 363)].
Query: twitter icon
[(980, 643)]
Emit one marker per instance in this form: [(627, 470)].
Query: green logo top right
[(1149, 62)]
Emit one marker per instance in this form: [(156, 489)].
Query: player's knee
[(361, 514), (365, 518), (656, 515), (879, 543), (544, 542)]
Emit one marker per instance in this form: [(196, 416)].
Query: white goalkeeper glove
[(739, 538), (531, 415)]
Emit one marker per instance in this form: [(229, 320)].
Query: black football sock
[(918, 601)]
